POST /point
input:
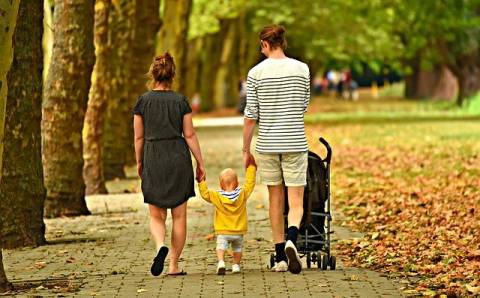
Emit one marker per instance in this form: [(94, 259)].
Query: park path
[(108, 254)]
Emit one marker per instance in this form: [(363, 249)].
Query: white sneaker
[(280, 267), (221, 268), (294, 262), (235, 268)]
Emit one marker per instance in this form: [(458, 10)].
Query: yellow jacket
[(230, 215)]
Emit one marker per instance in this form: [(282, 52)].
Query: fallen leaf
[(210, 237), (40, 265), (70, 260), (259, 206), (141, 290), (472, 289)]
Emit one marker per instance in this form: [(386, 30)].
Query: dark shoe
[(157, 266), (294, 262), (177, 273)]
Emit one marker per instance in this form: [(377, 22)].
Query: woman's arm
[(139, 141), (192, 142)]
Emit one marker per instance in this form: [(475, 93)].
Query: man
[(278, 92)]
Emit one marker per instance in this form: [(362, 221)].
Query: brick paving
[(108, 254)]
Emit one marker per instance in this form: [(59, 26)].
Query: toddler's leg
[(222, 245), (220, 255), (237, 257), (237, 243)]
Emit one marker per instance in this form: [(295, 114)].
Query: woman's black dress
[(167, 173)]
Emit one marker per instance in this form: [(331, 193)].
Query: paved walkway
[(108, 254)]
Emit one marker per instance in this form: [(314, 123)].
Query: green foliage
[(206, 15)]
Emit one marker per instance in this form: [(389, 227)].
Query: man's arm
[(251, 117), (307, 94)]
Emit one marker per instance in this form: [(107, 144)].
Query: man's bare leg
[(295, 213)]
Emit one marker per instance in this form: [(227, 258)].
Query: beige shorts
[(290, 168)]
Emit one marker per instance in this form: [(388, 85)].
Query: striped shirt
[(278, 92), (231, 195)]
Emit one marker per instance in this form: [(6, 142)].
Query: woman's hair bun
[(162, 70), (274, 35)]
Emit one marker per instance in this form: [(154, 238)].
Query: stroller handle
[(329, 149)]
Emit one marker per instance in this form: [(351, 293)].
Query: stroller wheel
[(309, 260), (324, 262), (272, 260), (333, 263)]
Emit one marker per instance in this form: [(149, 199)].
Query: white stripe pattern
[(231, 195), (278, 93)]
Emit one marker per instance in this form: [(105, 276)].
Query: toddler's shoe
[(281, 266), (235, 268), (221, 268)]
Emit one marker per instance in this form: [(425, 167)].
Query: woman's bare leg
[(158, 216), (179, 234)]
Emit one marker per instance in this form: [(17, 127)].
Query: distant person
[(278, 93), (332, 78), (164, 138), (230, 213), (317, 85)]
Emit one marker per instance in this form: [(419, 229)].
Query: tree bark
[(226, 81), (466, 69), (435, 83), (8, 18), (210, 61), (66, 97), (117, 137), (94, 117), (22, 193), (193, 65), (173, 36), (4, 284), (47, 36)]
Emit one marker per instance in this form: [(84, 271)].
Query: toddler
[(230, 220)]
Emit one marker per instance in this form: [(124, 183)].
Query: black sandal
[(158, 262), (177, 273)]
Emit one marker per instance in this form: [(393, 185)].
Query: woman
[(163, 136)]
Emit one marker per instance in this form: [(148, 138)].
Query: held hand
[(252, 161), (139, 169), (248, 159), (201, 175)]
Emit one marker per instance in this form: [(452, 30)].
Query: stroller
[(314, 234)]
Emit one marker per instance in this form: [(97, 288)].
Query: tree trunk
[(467, 72), (147, 24), (47, 36), (465, 67), (4, 284), (8, 18), (210, 61), (193, 66), (173, 36), (66, 97), (117, 137), (435, 83), (226, 81), (93, 125), (22, 193)]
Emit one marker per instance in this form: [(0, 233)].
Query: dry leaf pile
[(418, 203)]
